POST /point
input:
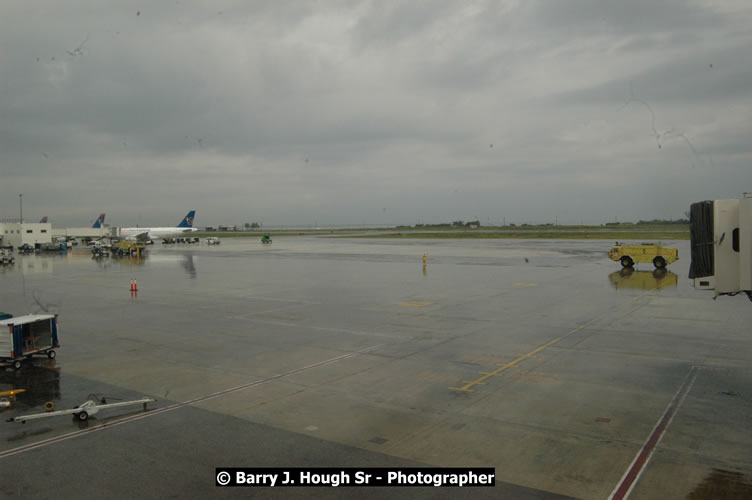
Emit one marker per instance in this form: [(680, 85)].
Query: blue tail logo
[(99, 222), (188, 219)]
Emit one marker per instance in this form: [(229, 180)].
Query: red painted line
[(635, 469), (175, 406)]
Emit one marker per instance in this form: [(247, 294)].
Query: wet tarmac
[(542, 359)]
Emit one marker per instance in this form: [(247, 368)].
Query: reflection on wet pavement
[(40, 378), (723, 484), (630, 278)]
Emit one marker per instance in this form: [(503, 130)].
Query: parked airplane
[(99, 222), (151, 233)]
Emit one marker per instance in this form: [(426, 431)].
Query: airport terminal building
[(16, 234), (84, 232)]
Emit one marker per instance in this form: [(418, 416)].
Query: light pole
[(20, 203)]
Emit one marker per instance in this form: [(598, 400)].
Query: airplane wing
[(141, 236)]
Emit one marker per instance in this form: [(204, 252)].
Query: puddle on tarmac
[(41, 379), (723, 484)]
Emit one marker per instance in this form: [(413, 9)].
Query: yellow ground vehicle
[(659, 255), (125, 248)]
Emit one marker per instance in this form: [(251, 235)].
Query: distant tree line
[(444, 225), (661, 221), (654, 222), (475, 223)]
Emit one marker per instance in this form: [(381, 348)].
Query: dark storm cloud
[(616, 17), (651, 42), (335, 110), (723, 74), (386, 24)]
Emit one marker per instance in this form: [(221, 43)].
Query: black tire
[(659, 262), (626, 262), (17, 364), (82, 416), (51, 354)]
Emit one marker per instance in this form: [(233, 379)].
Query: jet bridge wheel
[(626, 262), (659, 262)]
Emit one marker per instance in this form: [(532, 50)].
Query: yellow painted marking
[(481, 380), (525, 284), (415, 303)]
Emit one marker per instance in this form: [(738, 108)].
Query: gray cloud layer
[(373, 112)]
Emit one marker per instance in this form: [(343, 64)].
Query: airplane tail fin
[(44, 220), (99, 222), (188, 219)]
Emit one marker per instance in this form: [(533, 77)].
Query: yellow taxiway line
[(481, 380)]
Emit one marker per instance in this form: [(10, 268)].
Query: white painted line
[(637, 467)]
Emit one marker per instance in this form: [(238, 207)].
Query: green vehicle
[(266, 238)]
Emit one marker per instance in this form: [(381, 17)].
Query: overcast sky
[(347, 112)]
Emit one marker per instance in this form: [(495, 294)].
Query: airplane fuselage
[(154, 233)]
